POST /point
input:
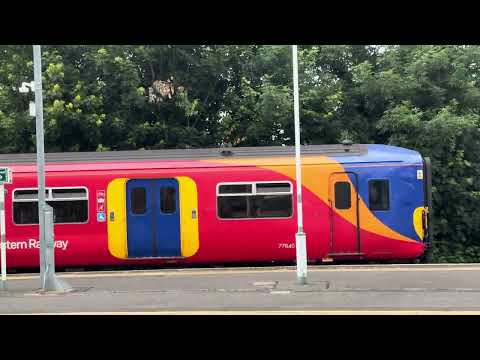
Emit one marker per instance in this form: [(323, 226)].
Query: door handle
[(194, 213), (112, 216)]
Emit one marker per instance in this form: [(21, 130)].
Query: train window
[(168, 197), (273, 187), (27, 194), (25, 212), (235, 189), (342, 195), (260, 200), (232, 207), (66, 208), (69, 193), (139, 200), (379, 194), (69, 211), (267, 206)]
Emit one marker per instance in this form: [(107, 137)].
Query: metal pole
[(47, 264), (300, 237), (3, 241), (37, 74)]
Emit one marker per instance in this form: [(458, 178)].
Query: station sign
[(5, 175)]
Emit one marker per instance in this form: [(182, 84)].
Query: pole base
[(302, 280), (301, 252), (3, 285), (53, 283)]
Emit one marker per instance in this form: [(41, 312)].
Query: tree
[(106, 97)]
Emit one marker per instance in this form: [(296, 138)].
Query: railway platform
[(331, 289)]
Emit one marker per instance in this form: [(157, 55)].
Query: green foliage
[(99, 98)]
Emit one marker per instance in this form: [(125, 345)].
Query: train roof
[(182, 158)]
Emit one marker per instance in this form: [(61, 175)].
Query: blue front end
[(403, 171)]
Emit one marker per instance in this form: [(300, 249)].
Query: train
[(229, 205)]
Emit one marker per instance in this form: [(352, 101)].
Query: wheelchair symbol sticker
[(101, 217)]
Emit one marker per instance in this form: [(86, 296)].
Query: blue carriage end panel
[(406, 193), (399, 166), (378, 153)]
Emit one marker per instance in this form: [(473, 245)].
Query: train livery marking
[(159, 207), (188, 216), (117, 218), (320, 187), (34, 244)]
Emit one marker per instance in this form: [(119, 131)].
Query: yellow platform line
[(273, 312)]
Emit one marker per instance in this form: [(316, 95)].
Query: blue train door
[(167, 237), (153, 218), (140, 218)]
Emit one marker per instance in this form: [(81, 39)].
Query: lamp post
[(48, 279), (300, 237)]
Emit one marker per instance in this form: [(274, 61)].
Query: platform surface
[(354, 289)]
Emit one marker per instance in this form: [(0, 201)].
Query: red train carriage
[(208, 206)]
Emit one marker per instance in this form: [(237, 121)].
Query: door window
[(139, 200), (168, 197), (343, 199)]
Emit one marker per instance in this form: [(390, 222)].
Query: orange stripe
[(315, 177)]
